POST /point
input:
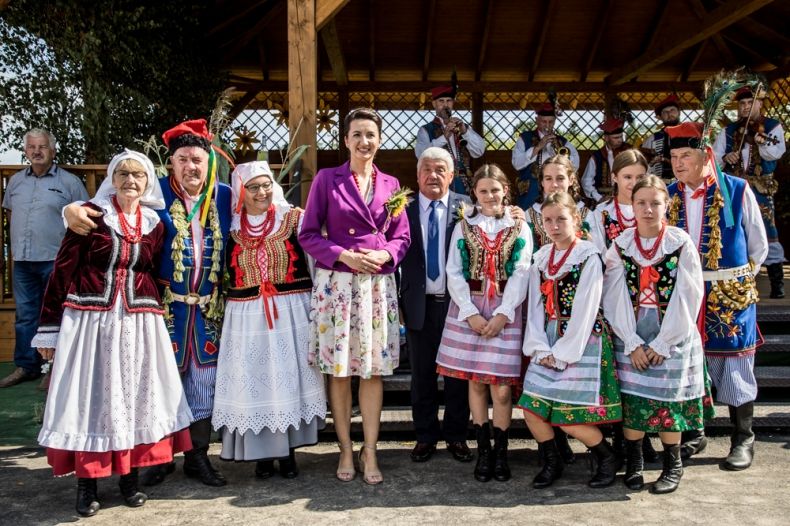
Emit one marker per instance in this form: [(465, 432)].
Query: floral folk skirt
[(657, 416), (354, 324)]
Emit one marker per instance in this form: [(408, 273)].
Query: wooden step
[(775, 343)]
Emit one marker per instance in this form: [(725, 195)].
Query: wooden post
[(303, 85), (477, 123), (342, 111)]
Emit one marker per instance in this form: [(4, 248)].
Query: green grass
[(21, 409)]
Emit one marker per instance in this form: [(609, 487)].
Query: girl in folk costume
[(115, 401), (654, 290), (355, 228), (486, 278), (570, 381), (268, 400), (609, 219), (557, 175)]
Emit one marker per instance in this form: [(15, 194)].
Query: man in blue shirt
[(33, 201)]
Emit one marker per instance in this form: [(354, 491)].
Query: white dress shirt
[(523, 156), (474, 143), (588, 178), (436, 286)]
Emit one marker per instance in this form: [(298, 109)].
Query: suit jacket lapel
[(347, 188), (453, 204), (415, 228)]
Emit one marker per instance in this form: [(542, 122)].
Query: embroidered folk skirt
[(115, 400), (268, 399), (354, 324), (466, 355), (550, 394)]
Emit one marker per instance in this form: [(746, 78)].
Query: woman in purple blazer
[(357, 234)]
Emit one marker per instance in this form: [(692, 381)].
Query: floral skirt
[(480, 378), (608, 409), (354, 324), (656, 416)]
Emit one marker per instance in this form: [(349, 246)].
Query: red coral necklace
[(254, 235), (132, 234), (651, 253), (553, 268), (625, 222)]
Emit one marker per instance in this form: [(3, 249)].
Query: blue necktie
[(433, 242)]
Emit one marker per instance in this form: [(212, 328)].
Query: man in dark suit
[(424, 302)]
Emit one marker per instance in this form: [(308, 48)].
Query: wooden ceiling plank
[(693, 62), (372, 40), (242, 41), (238, 16), (548, 11), (264, 63), (717, 20), (488, 15), (737, 39), (767, 33), (429, 23), (325, 10), (723, 49), (242, 103), (598, 32), (334, 51)]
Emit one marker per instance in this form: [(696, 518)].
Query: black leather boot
[(196, 462), (649, 454), (264, 469), (288, 468), (618, 440), (484, 469), (501, 468), (634, 465), (776, 277), (692, 442), (564, 448), (551, 465), (87, 498), (608, 465), (742, 448), (157, 474), (673, 471), (130, 490)]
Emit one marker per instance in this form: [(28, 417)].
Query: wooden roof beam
[(599, 29), (325, 10), (334, 51), (488, 11), (262, 57), (768, 33), (243, 40), (372, 40), (737, 39), (545, 20), (724, 50), (718, 19), (684, 77), (238, 16), (242, 103), (429, 22)]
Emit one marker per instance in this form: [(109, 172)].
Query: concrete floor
[(441, 491)]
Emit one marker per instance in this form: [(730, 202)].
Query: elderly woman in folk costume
[(653, 291), (268, 400), (356, 230), (196, 217), (115, 401)]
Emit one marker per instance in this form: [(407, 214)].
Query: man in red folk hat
[(762, 144), (197, 217), (597, 175), (730, 257), (533, 148), (449, 132), (656, 146)]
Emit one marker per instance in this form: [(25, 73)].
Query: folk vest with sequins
[(667, 269), (564, 293), (473, 255)]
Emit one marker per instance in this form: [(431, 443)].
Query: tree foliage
[(101, 75)]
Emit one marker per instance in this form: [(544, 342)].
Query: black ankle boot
[(87, 498), (634, 464), (130, 491), (618, 440), (673, 470), (776, 277), (264, 469), (742, 441), (484, 469), (157, 474), (501, 468), (551, 465), (288, 468), (564, 448), (197, 465), (608, 465), (649, 454), (692, 442)]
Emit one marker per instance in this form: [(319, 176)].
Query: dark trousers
[(30, 281), (425, 399)]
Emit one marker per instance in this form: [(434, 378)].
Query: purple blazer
[(334, 202)]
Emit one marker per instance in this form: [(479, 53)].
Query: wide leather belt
[(727, 274), (193, 298)]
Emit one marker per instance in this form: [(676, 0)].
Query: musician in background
[(656, 147), (762, 144), (597, 177), (535, 146), (452, 134)]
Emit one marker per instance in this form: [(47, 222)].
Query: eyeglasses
[(255, 188), (138, 176)]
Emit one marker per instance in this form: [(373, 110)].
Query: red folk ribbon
[(268, 292), (547, 289), (648, 277)]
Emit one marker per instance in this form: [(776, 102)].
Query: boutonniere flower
[(460, 212), (398, 201)]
